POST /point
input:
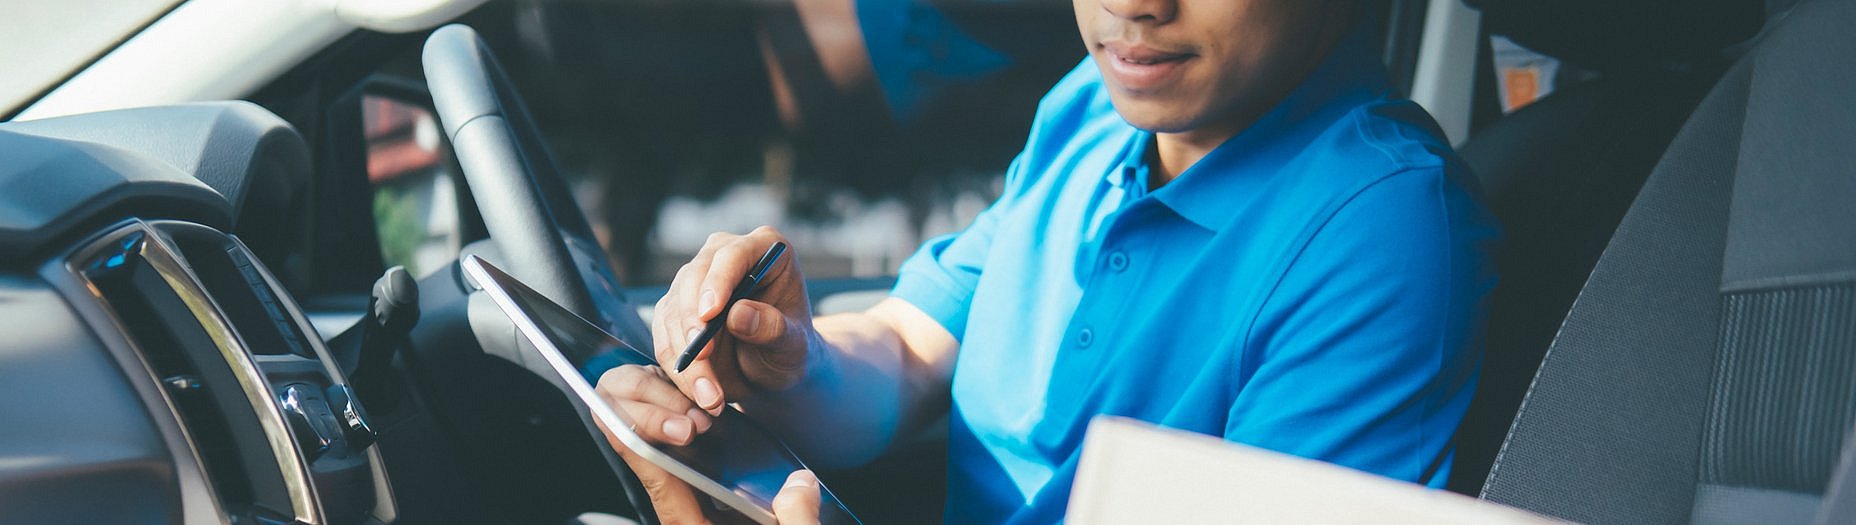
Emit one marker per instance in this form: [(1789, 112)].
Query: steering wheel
[(532, 219), (531, 216)]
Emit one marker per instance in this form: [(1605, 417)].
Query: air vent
[(248, 302), (221, 422)]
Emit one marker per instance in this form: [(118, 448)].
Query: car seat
[(1707, 370), (1559, 173)]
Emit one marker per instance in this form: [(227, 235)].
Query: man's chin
[(1158, 123), (1154, 115)]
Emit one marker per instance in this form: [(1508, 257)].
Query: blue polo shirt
[(1315, 285)]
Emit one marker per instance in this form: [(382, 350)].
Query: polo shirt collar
[(1351, 75)]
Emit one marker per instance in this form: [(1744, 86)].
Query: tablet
[(737, 462)]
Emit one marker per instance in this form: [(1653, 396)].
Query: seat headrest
[(1624, 36)]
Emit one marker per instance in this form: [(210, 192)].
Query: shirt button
[(1118, 261), (1085, 337)]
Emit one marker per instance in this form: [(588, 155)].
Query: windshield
[(59, 37)]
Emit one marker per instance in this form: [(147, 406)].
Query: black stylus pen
[(749, 284)]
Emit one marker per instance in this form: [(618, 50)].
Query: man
[(1222, 222)]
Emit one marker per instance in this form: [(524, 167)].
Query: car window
[(49, 41), (1524, 76), (415, 202)]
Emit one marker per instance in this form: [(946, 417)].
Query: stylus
[(749, 284)]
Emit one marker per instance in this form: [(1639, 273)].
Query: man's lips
[(1142, 54), (1138, 67)]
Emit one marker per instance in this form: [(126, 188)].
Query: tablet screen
[(736, 452)]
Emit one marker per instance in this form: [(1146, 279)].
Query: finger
[(700, 382), (703, 298), (779, 343), (725, 271), (674, 500), (730, 262), (708, 399), (679, 304), (661, 342), (670, 346), (714, 241), (657, 424), (798, 501), (650, 386), (765, 237), (678, 308)]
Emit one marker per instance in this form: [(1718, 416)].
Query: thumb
[(797, 503), (780, 340), (761, 324)]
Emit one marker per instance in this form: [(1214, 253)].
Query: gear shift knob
[(395, 302), (391, 313)]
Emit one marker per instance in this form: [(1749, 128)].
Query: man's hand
[(797, 502), (662, 415), (851, 381), (768, 341)]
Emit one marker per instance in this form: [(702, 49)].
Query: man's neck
[(1173, 153)]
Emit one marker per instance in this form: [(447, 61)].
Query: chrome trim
[(386, 509), (198, 499), (167, 263), (292, 403)]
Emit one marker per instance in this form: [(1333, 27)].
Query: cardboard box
[(1135, 472)]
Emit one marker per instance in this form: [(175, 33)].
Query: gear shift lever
[(391, 314)]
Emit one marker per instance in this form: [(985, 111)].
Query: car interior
[(200, 327), (1561, 172)]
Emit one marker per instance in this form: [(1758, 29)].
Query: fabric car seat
[(1706, 372), (1559, 173)]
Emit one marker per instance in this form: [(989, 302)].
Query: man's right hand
[(881, 370), (767, 345)]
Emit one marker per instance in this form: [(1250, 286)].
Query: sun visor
[(402, 16)]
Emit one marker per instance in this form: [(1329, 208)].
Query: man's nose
[(1150, 11)]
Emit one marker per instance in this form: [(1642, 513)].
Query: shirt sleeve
[(1367, 352), (941, 276), (917, 52)]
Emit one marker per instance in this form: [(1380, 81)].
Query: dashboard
[(154, 368)]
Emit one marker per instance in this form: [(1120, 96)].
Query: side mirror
[(391, 193), (413, 182)]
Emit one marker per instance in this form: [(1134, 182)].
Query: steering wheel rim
[(542, 237), (527, 209)]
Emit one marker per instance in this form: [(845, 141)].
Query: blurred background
[(859, 128)]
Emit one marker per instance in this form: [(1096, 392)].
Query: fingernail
[(752, 326), (707, 301), (691, 335), (678, 430), (706, 393), (701, 418), (801, 478)]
